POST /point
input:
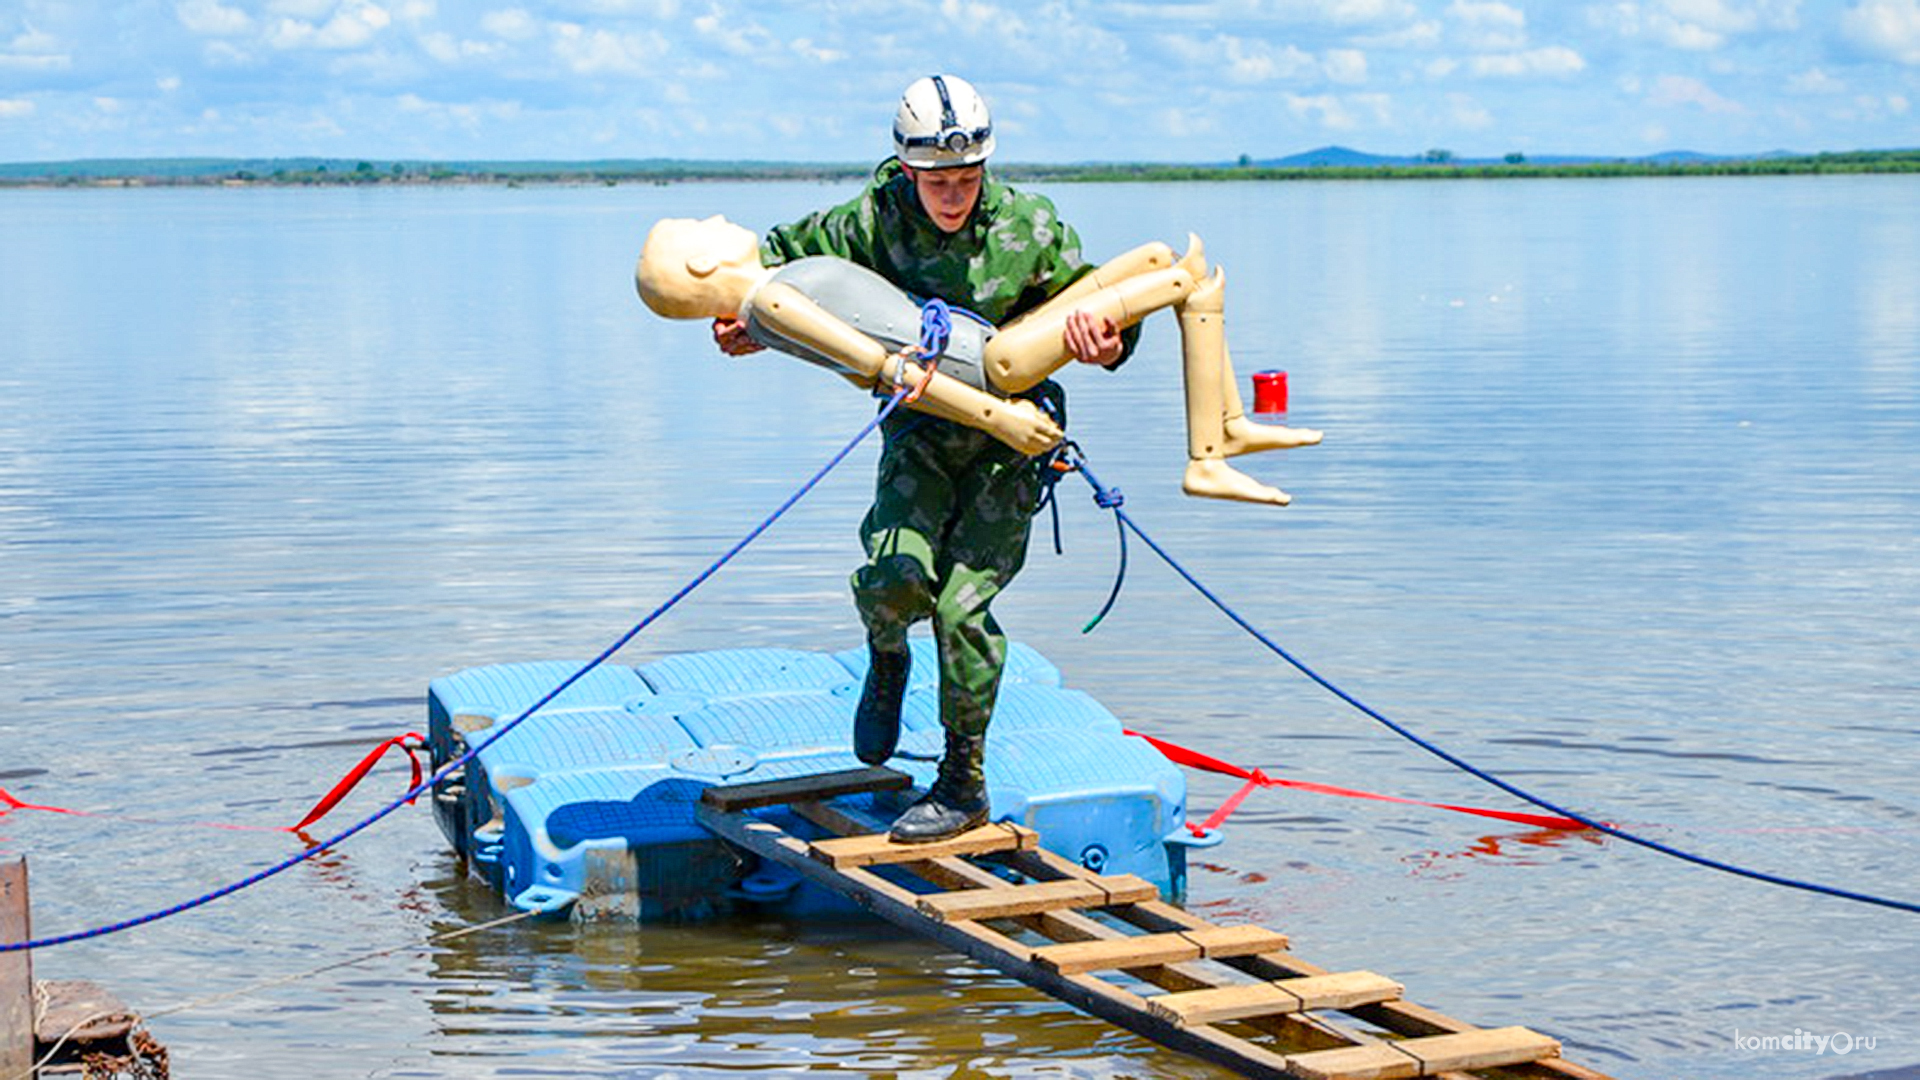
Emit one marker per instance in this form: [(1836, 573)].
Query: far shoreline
[(315, 172)]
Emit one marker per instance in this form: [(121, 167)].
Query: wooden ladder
[(1210, 975)]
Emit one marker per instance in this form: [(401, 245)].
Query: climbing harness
[(1126, 520), (460, 762)]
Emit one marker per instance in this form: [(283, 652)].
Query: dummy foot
[(1020, 424), (1212, 478), (1243, 436)]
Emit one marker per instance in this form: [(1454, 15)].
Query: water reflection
[(1620, 499)]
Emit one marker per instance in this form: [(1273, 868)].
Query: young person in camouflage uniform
[(952, 504)]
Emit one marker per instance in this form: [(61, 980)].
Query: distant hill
[(1328, 162)]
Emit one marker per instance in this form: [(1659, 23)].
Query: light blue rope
[(461, 761)]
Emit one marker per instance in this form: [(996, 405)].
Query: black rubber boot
[(876, 723), (956, 802)]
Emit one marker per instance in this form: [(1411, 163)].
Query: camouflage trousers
[(948, 530)]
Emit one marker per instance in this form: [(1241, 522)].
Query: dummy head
[(698, 269)]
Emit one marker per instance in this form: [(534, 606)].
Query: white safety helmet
[(942, 124)]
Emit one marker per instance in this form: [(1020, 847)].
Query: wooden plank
[(84, 1013), (1106, 954), (1333, 991), (1220, 942), (1481, 1048), (820, 786), (16, 972), (977, 904), (1091, 995), (1148, 950), (1400, 1017), (1300, 1031), (878, 849)]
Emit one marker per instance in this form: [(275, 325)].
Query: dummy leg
[(1126, 290), (1203, 342), (1244, 436), (1141, 260), (796, 317)]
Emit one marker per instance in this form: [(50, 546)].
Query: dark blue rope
[(460, 762), (1591, 823)]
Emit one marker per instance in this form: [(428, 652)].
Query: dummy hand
[(1091, 339), (731, 335)]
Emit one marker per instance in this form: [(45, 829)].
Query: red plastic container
[(1269, 391)]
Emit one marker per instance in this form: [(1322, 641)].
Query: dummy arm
[(789, 313)]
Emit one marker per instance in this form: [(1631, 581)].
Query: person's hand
[(731, 335), (1091, 339)]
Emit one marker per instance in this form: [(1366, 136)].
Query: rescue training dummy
[(852, 321)]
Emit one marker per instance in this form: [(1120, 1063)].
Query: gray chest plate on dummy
[(876, 307)]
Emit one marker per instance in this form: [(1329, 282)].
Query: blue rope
[(1101, 493), (936, 327), (461, 761)]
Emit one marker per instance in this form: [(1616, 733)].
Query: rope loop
[(936, 327)]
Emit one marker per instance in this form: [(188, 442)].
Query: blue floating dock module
[(587, 806)]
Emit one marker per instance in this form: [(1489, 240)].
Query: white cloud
[(1678, 90), (513, 24), (1467, 113), (34, 51), (448, 49), (1424, 34), (1247, 61), (1696, 25), (1889, 28), (15, 108), (212, 18), (1553, 61), (1815, 81), (1345, 66), (1488, 25), (353, 25), (167, 83), (605, 52), (817, 53), (1337, 112)]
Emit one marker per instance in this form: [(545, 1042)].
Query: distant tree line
[(1433, 164)]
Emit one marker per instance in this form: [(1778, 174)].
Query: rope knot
[(1109, 498), (936, 327)]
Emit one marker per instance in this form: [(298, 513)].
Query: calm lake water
[(1620, 498)]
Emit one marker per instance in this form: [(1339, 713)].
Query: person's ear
[(702, 265)]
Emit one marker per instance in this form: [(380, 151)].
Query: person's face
[(948, 195)]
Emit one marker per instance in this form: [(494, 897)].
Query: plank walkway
[(1231, 995)]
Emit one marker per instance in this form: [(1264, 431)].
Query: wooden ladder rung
[(1481, 1048), (816, 788), (1148, 950), (877, 849), (1341, 990), (1038, 897)]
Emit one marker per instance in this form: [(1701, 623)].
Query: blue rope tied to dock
[(1111, 501), (460, 762)]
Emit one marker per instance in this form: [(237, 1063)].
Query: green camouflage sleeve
[(846, 230)]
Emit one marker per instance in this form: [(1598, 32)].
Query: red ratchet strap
[(1254, 778), (411, 742)]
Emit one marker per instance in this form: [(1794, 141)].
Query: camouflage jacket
[(1010, 256)]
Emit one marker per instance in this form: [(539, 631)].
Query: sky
[(1067, 80)]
